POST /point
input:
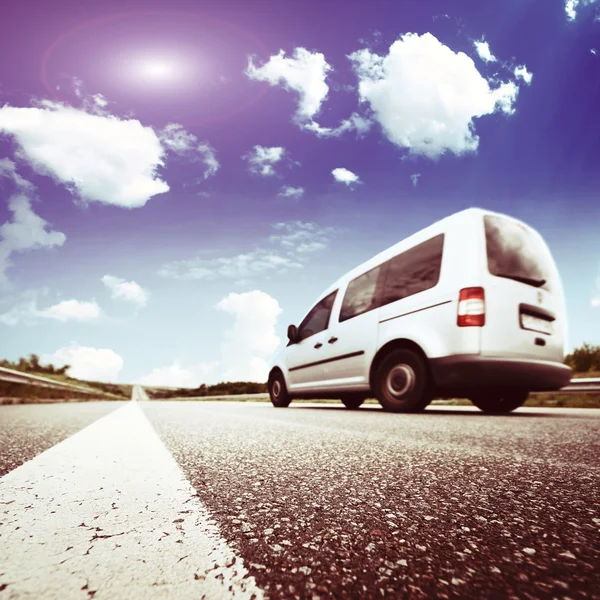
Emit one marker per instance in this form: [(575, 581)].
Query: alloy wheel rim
[(276, 389), (400, 381)]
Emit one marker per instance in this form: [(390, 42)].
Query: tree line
[(228, 388), (32, 365), (584, 359)]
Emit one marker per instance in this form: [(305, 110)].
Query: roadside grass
[(19, 393)]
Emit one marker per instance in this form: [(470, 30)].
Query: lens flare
[(149, 71)]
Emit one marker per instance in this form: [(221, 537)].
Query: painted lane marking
[(109, 511), (138, 393)]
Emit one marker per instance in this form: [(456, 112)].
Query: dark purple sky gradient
[(541, 164)]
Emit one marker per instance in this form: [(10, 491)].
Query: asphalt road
[(26, 430), (318, 501)]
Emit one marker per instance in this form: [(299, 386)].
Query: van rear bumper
[(464, 371)]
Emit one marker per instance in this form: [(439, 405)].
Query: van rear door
[(524, 306)]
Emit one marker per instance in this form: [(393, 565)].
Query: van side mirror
[(292, 333)]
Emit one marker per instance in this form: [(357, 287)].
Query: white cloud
[(521, 72), (72, 310), (126, 290), (92, 103), (247, 346), (99, 158), (26, 230), (252, 340), (345, 176), (99, 101), (304, 72), (20, 313), (241, 266), (26, 311), (484, 52), (354, 123), (177, 375), (426, 97), (262, 159), (209, 158), (77, 85), (299, 238), (96, 364), (288, 191), (176, 139), (291, 245), (572, 5), (8, 169), (415, 178), (594, 51)]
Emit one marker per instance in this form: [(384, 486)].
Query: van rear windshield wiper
[(527, 280)]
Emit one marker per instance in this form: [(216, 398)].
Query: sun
[(157, 69)]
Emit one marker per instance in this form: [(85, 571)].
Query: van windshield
[(514, 252)]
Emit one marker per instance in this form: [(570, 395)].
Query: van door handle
[(332, 340), (318, 345)]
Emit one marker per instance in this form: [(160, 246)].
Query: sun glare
[(157, 69)]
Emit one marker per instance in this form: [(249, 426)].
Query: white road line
[(109, 511), (138, 393)]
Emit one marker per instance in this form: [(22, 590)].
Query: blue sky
[(179, 181)]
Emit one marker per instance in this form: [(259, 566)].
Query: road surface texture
[(451, 503), (26, 430), (312, 501)]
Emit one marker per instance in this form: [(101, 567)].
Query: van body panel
[(357, 343), (514, 347), (433, 329), (300, 359), (522, 320)]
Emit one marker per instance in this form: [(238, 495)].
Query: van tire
[(278, 393), (496, 401), (352, 402), (401, 382)]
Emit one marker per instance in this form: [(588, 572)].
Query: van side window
[(414, 271), (318, 318), (361, 295)]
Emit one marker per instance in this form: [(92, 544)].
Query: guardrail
[(583, 384), (12, 376)]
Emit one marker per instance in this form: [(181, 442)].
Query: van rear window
[(514, 252)]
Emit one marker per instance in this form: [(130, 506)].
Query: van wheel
[(499, 401), (401, 382), (352, 402), (278, 391)]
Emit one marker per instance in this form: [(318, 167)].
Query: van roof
[(467, 214)]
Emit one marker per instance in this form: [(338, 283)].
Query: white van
[(471, 306)]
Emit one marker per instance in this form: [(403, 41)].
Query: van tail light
[(471, 307)]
